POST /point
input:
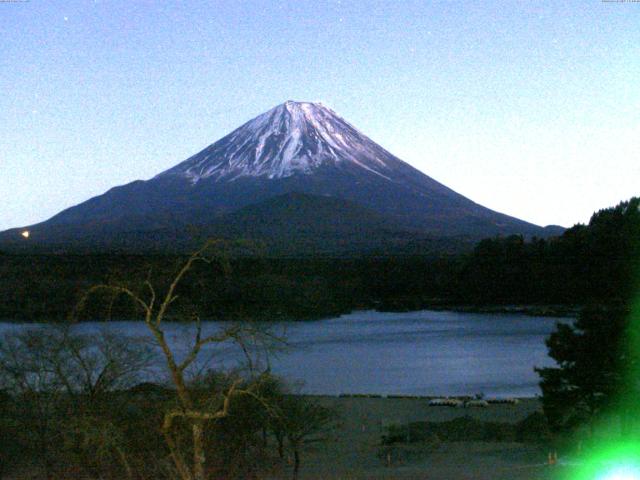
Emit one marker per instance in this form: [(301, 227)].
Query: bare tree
[(27, 376), (95, 364), (195, 413), (58, 377), (302, 422)]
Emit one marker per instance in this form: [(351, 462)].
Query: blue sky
[(529, 108)]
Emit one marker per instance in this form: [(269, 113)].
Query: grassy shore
[(354, 451)]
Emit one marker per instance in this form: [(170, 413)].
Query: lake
[(413, 353)]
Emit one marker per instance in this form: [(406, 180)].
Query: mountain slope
[(296, 147), (305, 214)]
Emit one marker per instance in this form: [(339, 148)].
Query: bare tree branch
[(189, 410)]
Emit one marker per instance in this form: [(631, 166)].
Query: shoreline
[(560, 311), (357, 451), (548, 310), (491, 399)]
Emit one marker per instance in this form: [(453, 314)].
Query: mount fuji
[(297, 170)]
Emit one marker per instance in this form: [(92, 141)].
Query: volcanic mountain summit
[(296, 157), (292, 138)]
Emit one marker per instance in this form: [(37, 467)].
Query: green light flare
[(633, 368), (629, 397), (620, 461), (621, 473)]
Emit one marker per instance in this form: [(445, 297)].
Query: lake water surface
[(424, 352)]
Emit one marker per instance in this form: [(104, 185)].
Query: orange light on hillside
[(25, 234)]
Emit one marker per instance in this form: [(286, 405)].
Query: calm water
[(425, 352)]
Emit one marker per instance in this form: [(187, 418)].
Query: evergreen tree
[(597, 363)]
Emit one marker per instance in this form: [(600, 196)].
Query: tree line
[(595, 382), (588, 263)]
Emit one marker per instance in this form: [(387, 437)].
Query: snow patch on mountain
[(292, 138)]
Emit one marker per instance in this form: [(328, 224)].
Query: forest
[(586, 264)]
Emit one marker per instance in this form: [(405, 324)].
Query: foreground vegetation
[(64, 387), (113, 430), (72, 406)]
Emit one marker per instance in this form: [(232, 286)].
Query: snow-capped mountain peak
[(291, 138), (299, 158)]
